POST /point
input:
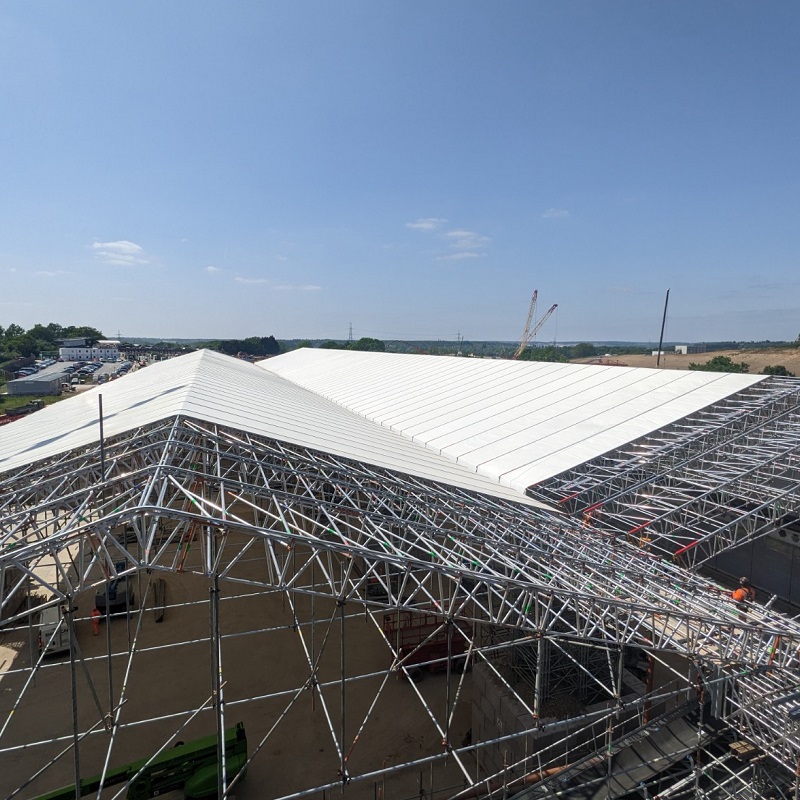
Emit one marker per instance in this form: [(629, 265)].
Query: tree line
[(727, 364), (16, 342), (252, 346)]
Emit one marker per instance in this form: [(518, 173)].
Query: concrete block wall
[(772, 563), (497, 713)]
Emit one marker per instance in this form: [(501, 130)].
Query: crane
[(529, 335), (543, 320), (526, 331)]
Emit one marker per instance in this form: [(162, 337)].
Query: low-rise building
[(84, 350), (36, 384), (690, 349)]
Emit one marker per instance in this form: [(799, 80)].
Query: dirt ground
[(757, 359), (265, 668)]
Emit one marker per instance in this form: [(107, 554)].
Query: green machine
[(191, 767)]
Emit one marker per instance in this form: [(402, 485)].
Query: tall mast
[(663, 323)]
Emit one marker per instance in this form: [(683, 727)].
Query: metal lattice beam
[(184, 496), (720, 477)]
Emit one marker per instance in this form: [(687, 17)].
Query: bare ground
[(265, 668), (757, 359)]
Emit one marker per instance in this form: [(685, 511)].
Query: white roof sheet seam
[(607, 433), (521, 403), (433, 395), (489, 427), (466, 401), (216, 389), (588, 403)]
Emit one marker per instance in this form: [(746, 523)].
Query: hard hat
[(744, 581)]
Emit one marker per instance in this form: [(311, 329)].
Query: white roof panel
[(216, 388), (514, 422), (492, 426)]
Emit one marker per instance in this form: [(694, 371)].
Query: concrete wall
[(496, 713), (772, 564)]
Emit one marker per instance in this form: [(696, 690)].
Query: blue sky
[(417, 169)]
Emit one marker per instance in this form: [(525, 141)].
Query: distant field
[(757, 359)]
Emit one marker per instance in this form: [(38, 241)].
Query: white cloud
[(459, 256), (279, 287), (426, 224), (212, 270), (460, 243), (250, 281), (46, 273), (120, 254), (466, 240), (555, 213), (122, 246)]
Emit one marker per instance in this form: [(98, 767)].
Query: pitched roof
[(515, 422), (491, 426), (215, 388)]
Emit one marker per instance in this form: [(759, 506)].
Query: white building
[(103, 349), (689, 349)]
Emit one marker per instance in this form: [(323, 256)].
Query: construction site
[(370, 575)]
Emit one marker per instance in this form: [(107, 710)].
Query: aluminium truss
[(723, 476), (183, 496)]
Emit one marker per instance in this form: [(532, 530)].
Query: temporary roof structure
[(215, 388), (404, 483), (490, 426), (514, 422)]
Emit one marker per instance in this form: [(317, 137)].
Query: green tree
[(46, 333), (26, 345), (261, 346), (721, 364), (253, 346), (367, 343), (331, 345), (12, 331), (547, 353), (778, 369), (583, 350), (81, 332)]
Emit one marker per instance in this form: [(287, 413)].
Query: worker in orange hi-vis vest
[(95, 621), (590, 517), (744, 595)]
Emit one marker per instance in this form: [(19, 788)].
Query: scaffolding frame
[(718, 478), (174, 496)]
